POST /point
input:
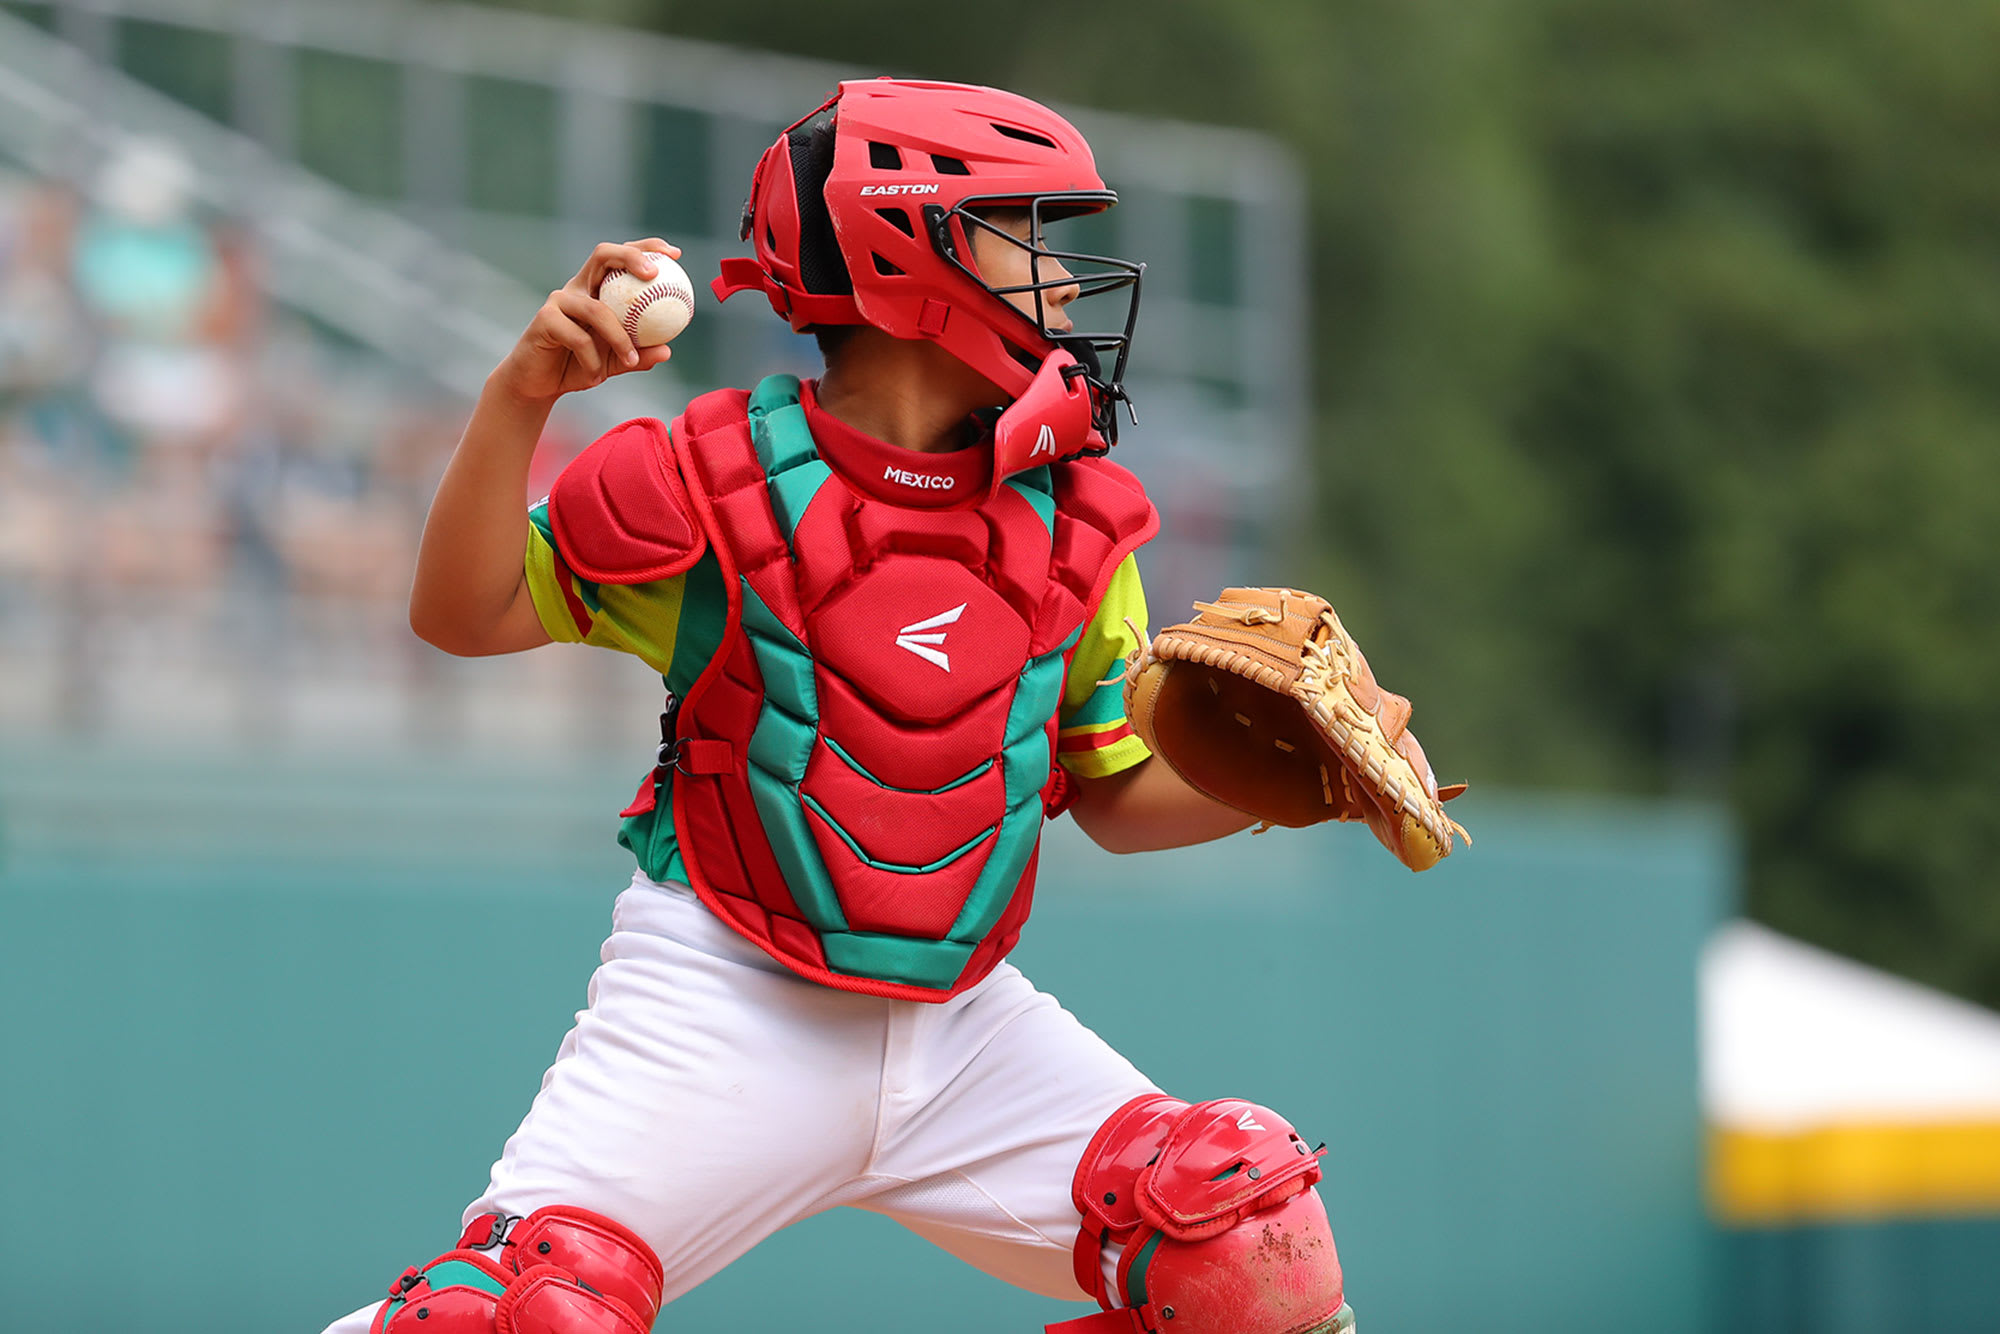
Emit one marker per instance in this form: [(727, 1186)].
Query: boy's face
[(1006, 266)]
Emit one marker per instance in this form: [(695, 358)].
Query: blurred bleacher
[(255, 259)]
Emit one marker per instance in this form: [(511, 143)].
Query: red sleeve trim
[(567, 583), (1095, 740)]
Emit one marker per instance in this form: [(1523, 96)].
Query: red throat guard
[(1049, 422)]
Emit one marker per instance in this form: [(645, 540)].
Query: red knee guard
[(560, 1270), (1221, 1229)]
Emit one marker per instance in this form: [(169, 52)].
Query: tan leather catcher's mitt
[(1264, 703)]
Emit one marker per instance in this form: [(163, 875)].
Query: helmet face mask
[(1094, 279), (864, 212)]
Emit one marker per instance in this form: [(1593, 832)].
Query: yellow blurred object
[(1855, 1171)]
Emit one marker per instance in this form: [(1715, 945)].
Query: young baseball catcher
[(897, 614)]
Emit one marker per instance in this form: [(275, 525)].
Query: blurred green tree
[(1658, 429)]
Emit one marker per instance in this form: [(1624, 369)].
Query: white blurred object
[(175, 395), (147, 182), (1793, 1036)]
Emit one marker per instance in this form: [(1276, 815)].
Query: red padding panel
[(620, 512)]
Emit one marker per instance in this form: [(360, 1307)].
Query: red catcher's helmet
[(863, 213)]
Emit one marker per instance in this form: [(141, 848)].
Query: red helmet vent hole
[(884, 267), (884, 157), (898, 219), (1025, 136), (950, 166)]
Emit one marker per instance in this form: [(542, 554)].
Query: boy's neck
[(906, 393)]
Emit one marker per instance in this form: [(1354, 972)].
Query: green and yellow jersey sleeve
[(1093, 738), (640, 619)]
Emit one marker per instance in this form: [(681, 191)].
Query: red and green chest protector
[(857, 773)]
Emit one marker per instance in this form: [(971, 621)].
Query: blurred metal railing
[(1221, 375), (358, 267), (418, 271)]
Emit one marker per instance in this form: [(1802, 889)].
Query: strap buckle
[(668, 755), (688, 755), (492, 1237)]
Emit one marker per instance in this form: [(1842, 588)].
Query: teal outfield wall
[(1907, 1275), (269, 1019)]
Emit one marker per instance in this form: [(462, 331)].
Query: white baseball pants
[(708, 1097)]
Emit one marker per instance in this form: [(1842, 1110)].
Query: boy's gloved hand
[(1264, 703)]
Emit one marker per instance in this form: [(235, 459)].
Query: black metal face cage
[(1092, 275)]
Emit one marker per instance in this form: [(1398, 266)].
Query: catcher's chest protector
[(887, 689)]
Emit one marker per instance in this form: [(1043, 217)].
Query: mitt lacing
[(1241, 615)]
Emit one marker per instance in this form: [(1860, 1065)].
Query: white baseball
[(654, 311)]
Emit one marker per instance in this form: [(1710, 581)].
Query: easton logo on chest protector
[(925, 638), (869, 821)]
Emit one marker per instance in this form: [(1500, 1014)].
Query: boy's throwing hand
[(576, 341)]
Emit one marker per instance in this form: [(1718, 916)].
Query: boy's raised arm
[(470, 595)]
